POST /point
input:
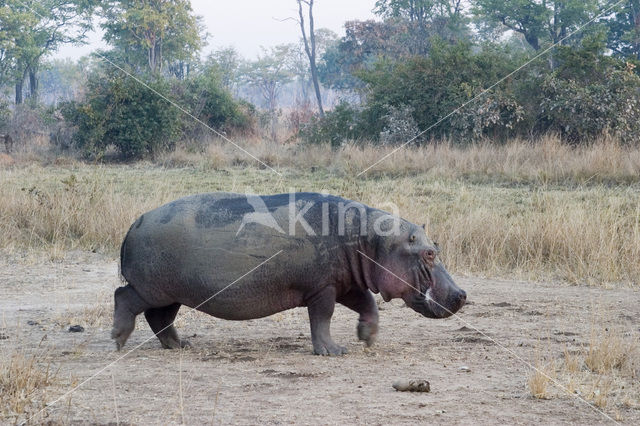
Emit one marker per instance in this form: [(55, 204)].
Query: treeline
[(417, 66), (425, 69)]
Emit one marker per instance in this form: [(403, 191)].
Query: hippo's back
[(195, 246)]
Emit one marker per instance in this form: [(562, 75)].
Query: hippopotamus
[(240, 257)]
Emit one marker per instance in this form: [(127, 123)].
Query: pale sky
[(249, 24)]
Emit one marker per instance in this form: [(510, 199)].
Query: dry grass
[(531, 211), (604, 372), (545, 161), (611, 351), (541, 379), (23, 384)]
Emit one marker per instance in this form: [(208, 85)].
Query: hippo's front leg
[(320, 308), (363, 302)]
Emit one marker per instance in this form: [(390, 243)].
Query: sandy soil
[(262, 371)]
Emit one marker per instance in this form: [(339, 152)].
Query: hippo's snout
[(442, 299), (462, 298)]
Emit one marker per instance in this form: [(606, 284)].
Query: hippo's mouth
[(425, 280), (424, 301)]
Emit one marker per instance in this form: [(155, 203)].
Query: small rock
[(76, 329), (464, 369), (4, 336), (439, 412), (31, 322), (412, 386)]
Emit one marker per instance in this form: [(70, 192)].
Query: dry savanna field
[(545, 239)]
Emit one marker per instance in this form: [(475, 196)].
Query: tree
[(152, 33), (624, 30), (408, 29), (299, 62), (32, 29), (539, 22), (226, 62), (63, 80), (364, 43), (269, 73), (426, 18), (309, 43)]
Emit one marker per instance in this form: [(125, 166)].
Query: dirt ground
[(262, 371)]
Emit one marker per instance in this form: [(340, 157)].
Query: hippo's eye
[(412, 238)]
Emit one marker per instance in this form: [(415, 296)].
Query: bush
[(337, 126), (123, 113), (434, 86), (494, 115), (5, 115), (118, 111), (587, 93), (580, 112), (400, 126), (207, 100)]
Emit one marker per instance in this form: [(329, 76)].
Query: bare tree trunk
[(33, 85), (310, 48), (159, 55), (152, 59), (18, 92), (20, 87)]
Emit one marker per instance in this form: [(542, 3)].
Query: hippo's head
[(408, 267)]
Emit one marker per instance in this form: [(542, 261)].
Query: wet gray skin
[(336, 250)]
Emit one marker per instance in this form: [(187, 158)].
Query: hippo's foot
[(128, 304), (161, 322), (175, 344), (329, 349), (367, 332), (120, 336)]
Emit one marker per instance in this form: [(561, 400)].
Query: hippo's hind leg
[(161, 322), (363, 303), (320, 308), (128, 304)]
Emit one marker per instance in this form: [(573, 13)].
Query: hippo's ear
[(424, 227)]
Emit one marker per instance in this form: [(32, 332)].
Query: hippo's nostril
[(462, 296)]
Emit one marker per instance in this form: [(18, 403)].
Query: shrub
[(120, 112), (337, 126), (400, 126), (5, 115), (494, 115), (583, 112), (205, 98), (434, 86)]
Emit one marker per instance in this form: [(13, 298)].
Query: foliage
[(32, 29), (427, 18), (139, 121), (270, 72), (400, 126), (212, 103), (5, 115), (538, 22), (624, 30), (449, 77), (153, 33), (226, 64), (496, 115), (583, 112), (120, 112), (337, 126)]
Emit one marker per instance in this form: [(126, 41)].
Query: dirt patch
[(262, 371)]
